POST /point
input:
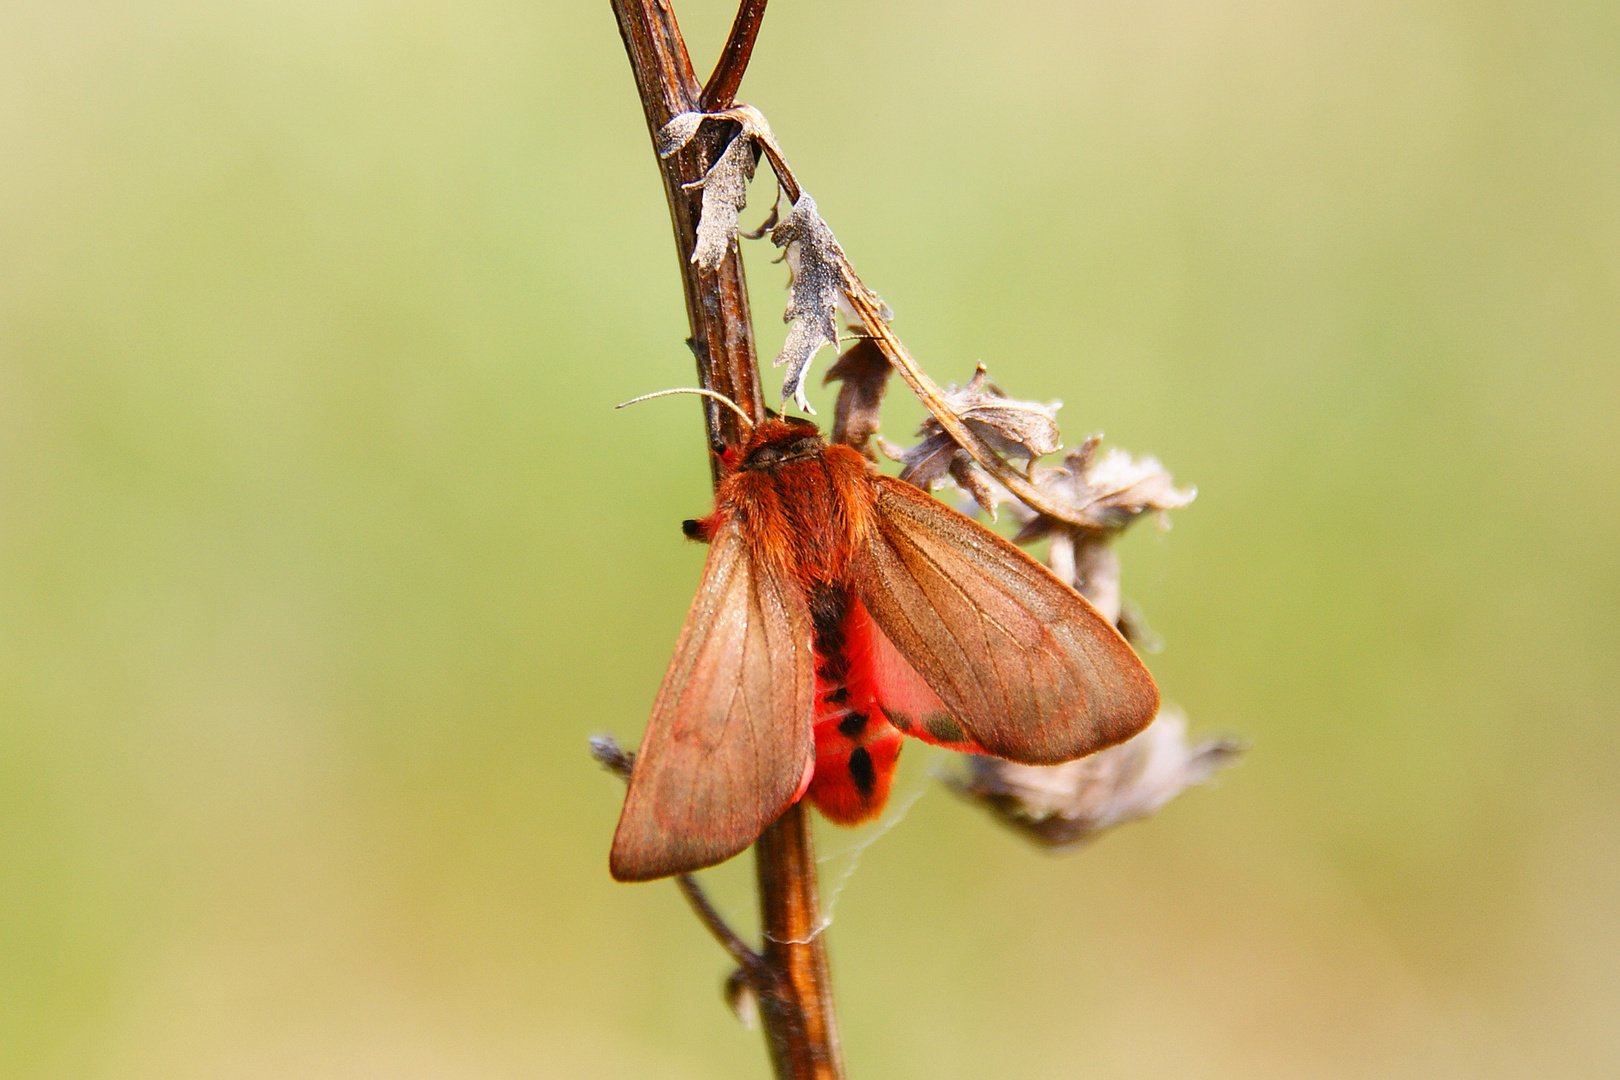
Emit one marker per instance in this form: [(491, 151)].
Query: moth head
[(777, 441)]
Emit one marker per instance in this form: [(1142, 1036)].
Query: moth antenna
[(721, 398)]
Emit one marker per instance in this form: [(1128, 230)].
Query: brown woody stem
[(722, 336), (790, 974), (721, 89), (796, 952)]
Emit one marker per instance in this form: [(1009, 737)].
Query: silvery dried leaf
[(1061, 806), (678, 132), (725, 185), (683, 127), (863, 375), (820, 277), (725, 193)]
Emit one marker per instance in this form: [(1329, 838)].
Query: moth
[(841, 611)]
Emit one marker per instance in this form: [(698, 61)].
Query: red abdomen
[(856, 746)]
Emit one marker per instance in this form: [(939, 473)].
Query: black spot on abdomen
[(861, 771), (852, 725)]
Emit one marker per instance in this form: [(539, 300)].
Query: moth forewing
[(729, 737), (1028, 668)]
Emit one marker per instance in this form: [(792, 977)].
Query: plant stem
[(795, 950), (791, 981), (716, 303), (721, 89)]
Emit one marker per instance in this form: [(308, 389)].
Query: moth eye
[(764, 456)]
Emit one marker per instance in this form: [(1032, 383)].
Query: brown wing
[(729, 737), (1022, 661)]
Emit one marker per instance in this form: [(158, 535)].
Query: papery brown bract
[(840, 608)]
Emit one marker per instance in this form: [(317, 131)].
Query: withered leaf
[(725, 185), (973, 480), (725, 193), (938, 458), (683, 127), (927, 463), (822, 278), (678, 132), (821, 274), (863, 376), (1059, 806)]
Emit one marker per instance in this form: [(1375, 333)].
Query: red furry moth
[(841, 609)]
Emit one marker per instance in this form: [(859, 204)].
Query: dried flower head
[(1061, 806), (1107, 492), (1023, 430)]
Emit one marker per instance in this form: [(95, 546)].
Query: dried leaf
[(972, 479), (683, 127), (822, 278), (1061, 806), (678, 132), (725, 193), (863, 374), (938, 459), (1013, 428), (820, 274), (725, 185), (1121, 487)]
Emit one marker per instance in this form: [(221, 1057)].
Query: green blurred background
[(322, 552)]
